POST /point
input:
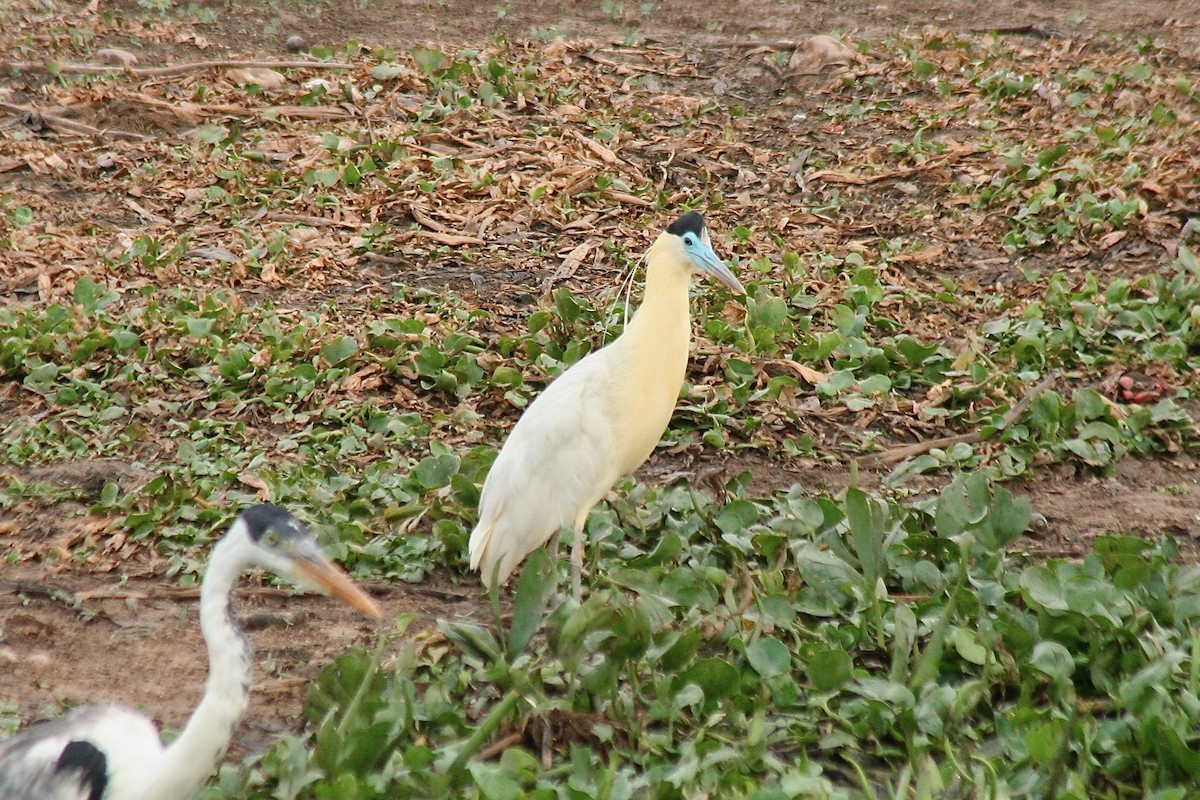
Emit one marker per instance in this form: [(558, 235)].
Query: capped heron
[(112, 753), (599, 420)]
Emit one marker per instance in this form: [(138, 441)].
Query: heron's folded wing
[(556, 464)]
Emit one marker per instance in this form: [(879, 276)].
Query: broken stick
[(1011, 416)]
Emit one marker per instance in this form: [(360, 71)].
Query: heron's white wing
[(110, 745), (556, 464)]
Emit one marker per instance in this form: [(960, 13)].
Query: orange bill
[(330, 577)]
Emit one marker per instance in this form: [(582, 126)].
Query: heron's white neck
[(188, 762)]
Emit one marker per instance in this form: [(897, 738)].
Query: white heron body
[(600, 420), (113, 753)]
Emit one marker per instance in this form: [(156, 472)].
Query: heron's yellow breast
[(651, 361)]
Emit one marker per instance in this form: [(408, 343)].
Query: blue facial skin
[(707, 260)]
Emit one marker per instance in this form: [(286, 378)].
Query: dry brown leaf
[(584, 223), (570, 264), (452, 239), (819, 52), (366, 379), (421, 215), (55, 162), (584, 178), (115, 55), (116, 541), (745, 177), (606, 155), (262, 358), (813, 376), (300, 237), (255, 482), (628, 199), (266, 79), (925, 256)]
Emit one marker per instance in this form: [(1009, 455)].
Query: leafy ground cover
[(969, 259)]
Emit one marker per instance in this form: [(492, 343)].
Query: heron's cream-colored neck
[(654, 352), (188, 762), (663, 314)]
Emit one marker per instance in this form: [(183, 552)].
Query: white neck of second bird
[(189, 761)]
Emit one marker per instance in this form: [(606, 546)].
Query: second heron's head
[(690, 235), (283, 544)]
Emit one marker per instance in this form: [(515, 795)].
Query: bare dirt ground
[(264, 30), (69, 636)]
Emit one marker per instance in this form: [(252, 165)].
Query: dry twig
[(1024, 30), (174, 69), (71, 126), (1013, 414), (771, 44), (835, 176), (311, 221), (499, 746)]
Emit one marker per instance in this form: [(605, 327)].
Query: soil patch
[(73, 637)]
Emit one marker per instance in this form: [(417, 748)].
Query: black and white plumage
[(112, 753)]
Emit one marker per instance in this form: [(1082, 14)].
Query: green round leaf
[(337, 350), (829, 669), (968, 646), (1054, 660), (769, 657), (715, 676), (435, 472)]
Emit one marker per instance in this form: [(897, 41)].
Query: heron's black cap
[(689, 222), (265, 516)]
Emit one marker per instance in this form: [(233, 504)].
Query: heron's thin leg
[(552, 545), (577, 566)]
